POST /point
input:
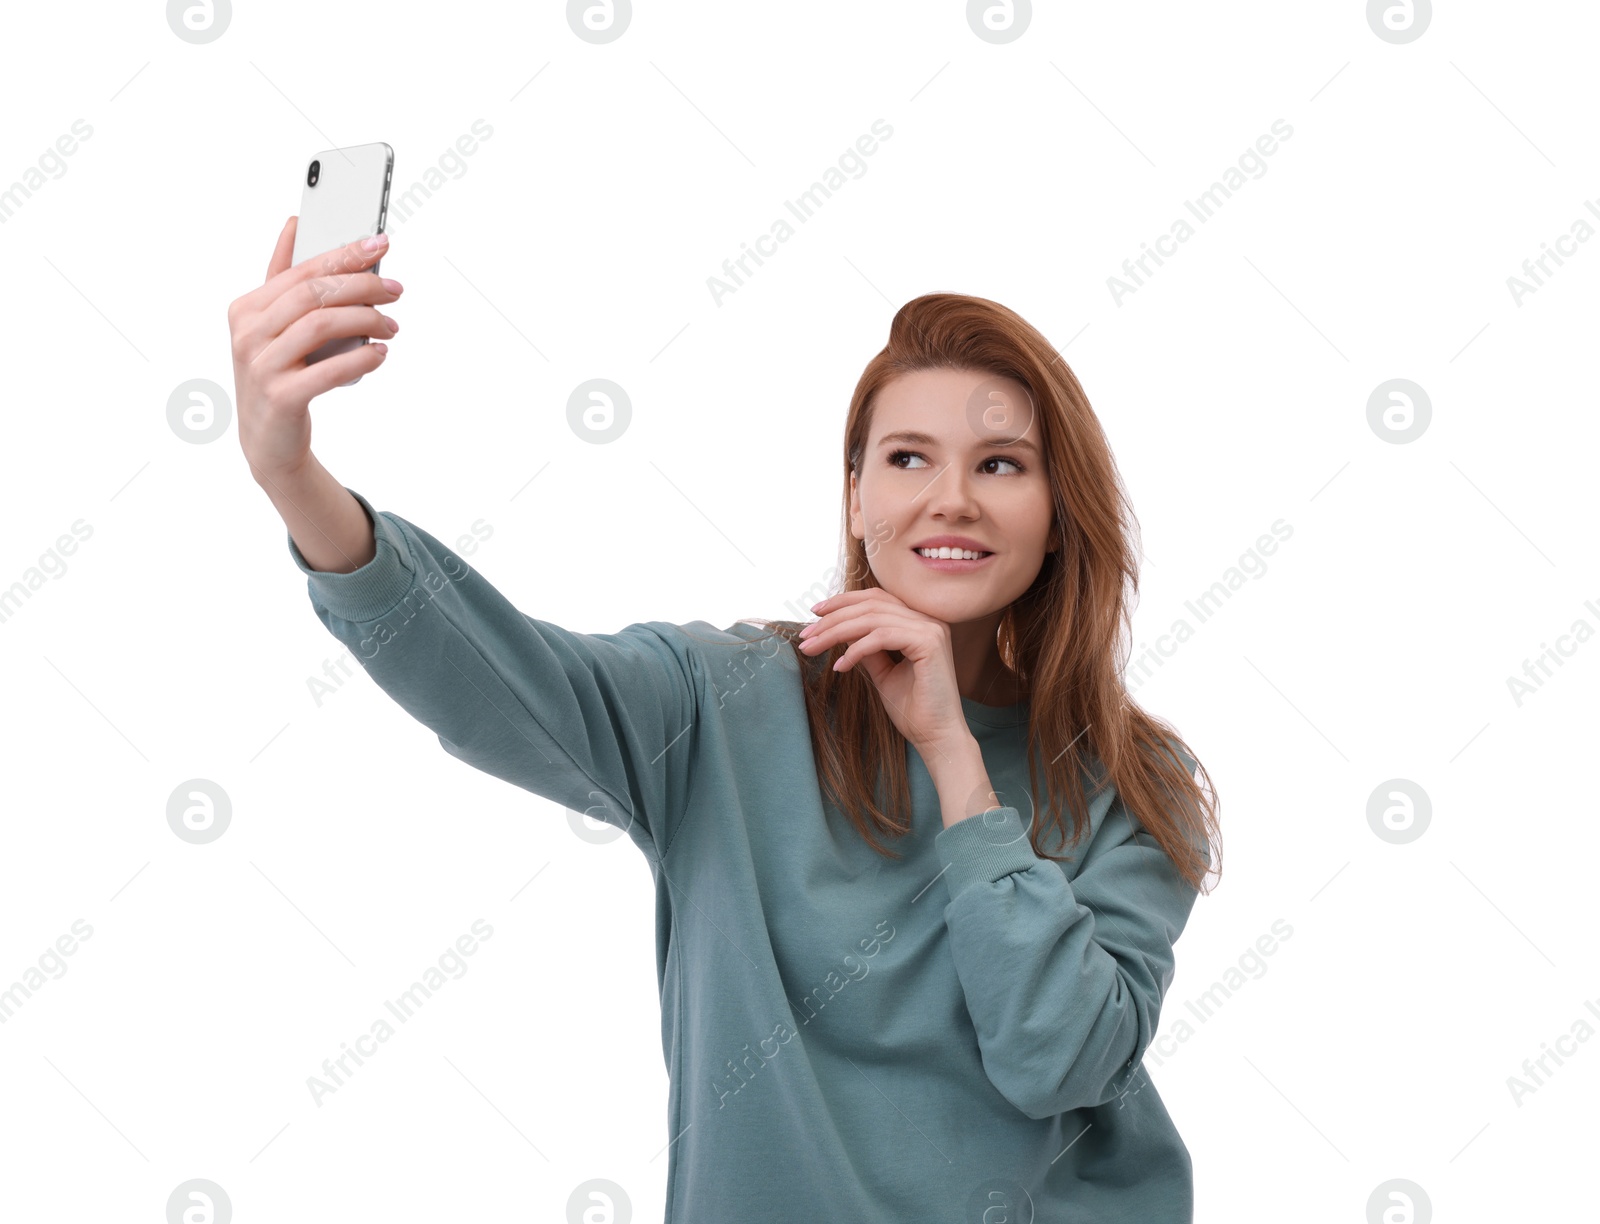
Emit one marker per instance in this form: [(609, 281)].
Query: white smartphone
[(344, 196)]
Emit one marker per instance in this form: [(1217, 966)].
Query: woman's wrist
[(327, 524), (961, 780)]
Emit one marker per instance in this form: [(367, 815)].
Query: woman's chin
[(951, 607)]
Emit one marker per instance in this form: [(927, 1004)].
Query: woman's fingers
[(831, 621), (906, 638), (284, 251), (845, 598), (334, 372), (873, 642), (312, 330), (321, 293), (334, 278), (846, 624), (275, 326), (851, 604), (328, 267)]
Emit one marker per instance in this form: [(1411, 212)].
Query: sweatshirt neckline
[(995, 716)]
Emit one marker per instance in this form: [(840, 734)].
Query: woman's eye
[(896, 456), (1012, 462)]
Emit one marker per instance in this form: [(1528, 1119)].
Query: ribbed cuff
[(982, 848), (367, 593)]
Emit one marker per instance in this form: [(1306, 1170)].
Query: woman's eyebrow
[(917, 438)]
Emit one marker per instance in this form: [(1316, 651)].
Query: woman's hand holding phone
[(294, 312)]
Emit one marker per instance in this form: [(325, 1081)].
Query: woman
[(893, 986)]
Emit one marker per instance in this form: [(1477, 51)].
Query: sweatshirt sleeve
[(1063, 979), (601, 723)]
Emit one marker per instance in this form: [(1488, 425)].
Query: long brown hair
[(1066, 638)]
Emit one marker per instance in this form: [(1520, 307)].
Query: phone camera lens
[(311, 176)]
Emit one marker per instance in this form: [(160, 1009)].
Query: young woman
[(894, 985)]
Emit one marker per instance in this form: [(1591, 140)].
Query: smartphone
[(344, 196)]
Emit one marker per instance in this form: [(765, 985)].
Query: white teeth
[(962, 554)]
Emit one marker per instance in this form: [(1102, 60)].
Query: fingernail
[(393, 286), (394, 324), (380, 346), (375, 242)]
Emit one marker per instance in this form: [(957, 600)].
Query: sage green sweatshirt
[(952, 1036)]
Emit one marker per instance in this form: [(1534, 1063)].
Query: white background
[(1374, 1043)]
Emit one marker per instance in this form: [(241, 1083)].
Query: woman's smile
[(946, 564)]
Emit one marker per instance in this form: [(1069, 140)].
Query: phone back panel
[(349, 201)]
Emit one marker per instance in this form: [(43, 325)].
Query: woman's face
[(978, 473)]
